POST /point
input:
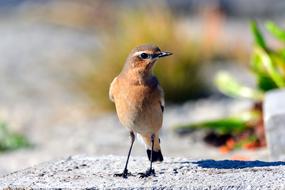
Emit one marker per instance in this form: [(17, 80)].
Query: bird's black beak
[(164, 54)]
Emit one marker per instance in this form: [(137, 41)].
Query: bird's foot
[(149, 172), (125, 174)]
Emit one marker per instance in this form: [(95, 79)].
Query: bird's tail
[(156, 155)]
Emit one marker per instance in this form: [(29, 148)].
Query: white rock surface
[(274, 110), (81, 172)]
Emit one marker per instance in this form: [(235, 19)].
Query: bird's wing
[(111, 89), (162, 102)]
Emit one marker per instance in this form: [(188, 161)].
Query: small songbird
[(139, 101)]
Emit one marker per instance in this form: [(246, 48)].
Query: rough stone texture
[(274, 109), (80, 172)]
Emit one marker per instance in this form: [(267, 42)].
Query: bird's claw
[(125, 174), (149, 172)]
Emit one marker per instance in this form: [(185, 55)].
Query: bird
[(139, 102)]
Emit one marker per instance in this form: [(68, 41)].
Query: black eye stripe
[(154, 56), (147, 56)]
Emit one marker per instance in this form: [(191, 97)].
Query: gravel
[(83, 172)]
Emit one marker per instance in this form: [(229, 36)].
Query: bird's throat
[(139, 77)]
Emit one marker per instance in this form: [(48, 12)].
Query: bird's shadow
[(235, 164)]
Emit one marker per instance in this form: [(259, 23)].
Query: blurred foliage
[(228, 85), (268, 66), (230, 125), (9, 140), (179, 74)]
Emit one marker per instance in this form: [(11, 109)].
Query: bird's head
[(143, 58)]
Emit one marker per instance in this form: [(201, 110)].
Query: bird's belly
[(148, 121), (141, 115)]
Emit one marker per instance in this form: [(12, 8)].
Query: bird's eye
[(144, 55)]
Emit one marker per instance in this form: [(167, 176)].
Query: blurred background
[(58, 57)]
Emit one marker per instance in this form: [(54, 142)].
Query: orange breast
[(138, 107)]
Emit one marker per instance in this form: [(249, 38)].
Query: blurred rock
[(274, 110)]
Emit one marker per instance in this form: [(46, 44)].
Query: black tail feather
[(156, 155)]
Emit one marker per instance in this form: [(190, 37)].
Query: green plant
[(9, 140), (268, 66)]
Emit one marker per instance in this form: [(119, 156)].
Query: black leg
[(150, 171), (125, 173)]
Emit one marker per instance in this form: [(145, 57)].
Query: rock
[(274, 117), (81, 172)]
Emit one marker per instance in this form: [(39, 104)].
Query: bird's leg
[(150, 171), (125, 173)]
